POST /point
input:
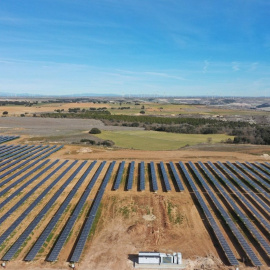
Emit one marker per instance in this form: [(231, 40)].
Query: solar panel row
[(31, 192), (22, 150), (20, 159), (4, 147), (64, 234), (267, 164), (76, 254), (51, 150), (252, 210), (237, 210), (14, 225), (153, 176), (8, 150), (176, 177), (252, 183), (130, 175), (17, 244), (42, 238), (256, 176), (238, 235), (222, 241), (2, 192), (119, 175), (245, 187), (4, 139), (19, 172), (22, 179), (142, 177), (264, 168), (165, 177)]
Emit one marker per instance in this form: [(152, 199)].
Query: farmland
[(153, 140)]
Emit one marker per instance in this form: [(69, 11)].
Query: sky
[(142, 47)]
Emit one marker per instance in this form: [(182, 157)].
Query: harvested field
[(36, 126)]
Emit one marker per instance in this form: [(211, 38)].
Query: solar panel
[(23, 178), (252, 183), (256, 176), (251, 209), (65, 232), (130, 175), (17, 161), (119, 175), (8, 150), (13, 226), (4, 139), (24, 149), (244, 186), (142, 176), (176, 177), (165, 177), (17, 244), (238, 235), (264, 168), (31, 158), (30, 193), (220, 237), (267, 164), (237, 210), (42, 238), (76, 254), (153, 176), (19, 152)]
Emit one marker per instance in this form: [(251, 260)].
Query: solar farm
[(48, 205)]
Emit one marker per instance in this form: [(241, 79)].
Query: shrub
[(135, 124), (95, 131), (107, 143), (88, 141)]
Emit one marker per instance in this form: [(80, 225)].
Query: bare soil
[(101, 153)]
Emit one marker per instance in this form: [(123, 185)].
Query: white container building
[(159, 258)]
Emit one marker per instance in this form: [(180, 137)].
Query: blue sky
[(144, 47)]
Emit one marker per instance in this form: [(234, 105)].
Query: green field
[(154, 140)]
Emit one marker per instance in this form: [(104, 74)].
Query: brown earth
[(100, 153)]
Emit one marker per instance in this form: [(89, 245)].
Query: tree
[(5, 113), (95, 131)]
